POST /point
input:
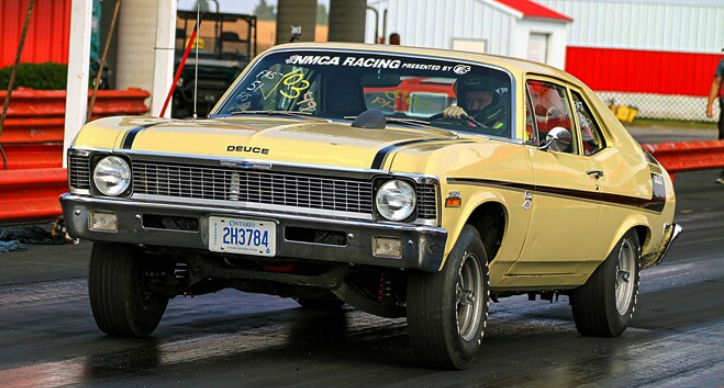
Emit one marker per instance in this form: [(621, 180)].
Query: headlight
[(395, 200), (112, 175)]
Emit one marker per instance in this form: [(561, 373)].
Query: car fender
[(513, 215), (633, 220)]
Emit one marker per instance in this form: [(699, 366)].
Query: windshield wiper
[(270, 113), (306, 115), (416, 123), (398, 120)]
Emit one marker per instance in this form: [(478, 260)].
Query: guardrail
[(31, 195), (688, 156), (32, 139), (38, 116), (32, 156)]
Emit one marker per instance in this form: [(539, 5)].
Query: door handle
[(595, 173)]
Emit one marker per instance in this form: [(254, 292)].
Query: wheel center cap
[(467, 297)]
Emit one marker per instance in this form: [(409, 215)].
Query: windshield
[(342, 85)]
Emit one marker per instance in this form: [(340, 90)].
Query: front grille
[(79, 172), (426, 201), (261, 187)]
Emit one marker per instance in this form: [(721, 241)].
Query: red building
[(48, 32)]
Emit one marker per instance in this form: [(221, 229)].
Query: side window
[(531, 132), (591, 135), (550, 108)]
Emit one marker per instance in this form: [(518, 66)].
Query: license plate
[(242, 236)]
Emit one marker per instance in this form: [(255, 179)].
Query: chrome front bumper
[(422, 246)]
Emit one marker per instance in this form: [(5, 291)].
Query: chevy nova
[(401, 181)]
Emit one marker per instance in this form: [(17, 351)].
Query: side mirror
[(557, 139)]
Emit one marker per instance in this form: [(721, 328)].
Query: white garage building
[(658, 55), (517, 28)]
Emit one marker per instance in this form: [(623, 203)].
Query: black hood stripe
[(382, 154), (130, 135)]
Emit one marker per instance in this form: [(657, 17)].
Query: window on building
[(538, 47)]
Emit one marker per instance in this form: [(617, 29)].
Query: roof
[(532, 10), (687, 3)]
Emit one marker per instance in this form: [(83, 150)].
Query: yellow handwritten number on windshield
[(294, 80)]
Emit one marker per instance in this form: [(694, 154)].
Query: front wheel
[(604, 305), (447, 311), (121, 302)]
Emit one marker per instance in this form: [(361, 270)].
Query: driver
[(478, 100)]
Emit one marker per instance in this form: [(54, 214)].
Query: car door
[(625, 183), (565, 201)]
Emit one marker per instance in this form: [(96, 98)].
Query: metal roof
[(531, 9), (691, 3)]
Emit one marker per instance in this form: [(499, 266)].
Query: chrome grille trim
[(426, 201), (242, 186), (346, 193), (79, 166), (248, 206)]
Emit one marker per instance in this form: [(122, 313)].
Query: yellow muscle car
[(402, 181)]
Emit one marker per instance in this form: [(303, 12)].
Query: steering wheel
[(463, 118)]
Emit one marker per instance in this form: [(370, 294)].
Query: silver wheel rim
[(469, 298), (625, 271)]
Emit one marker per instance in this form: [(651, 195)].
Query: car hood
[(289, 140)]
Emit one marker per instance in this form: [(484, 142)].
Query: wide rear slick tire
[(447, 311), (605, 304), (121, 303)]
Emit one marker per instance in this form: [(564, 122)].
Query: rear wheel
[(604, 306), (447, 311), (121, 302)]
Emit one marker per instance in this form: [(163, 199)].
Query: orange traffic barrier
[(45, 103), (38, 116), (31, 195), (33, 130), (32, 139), (23, 157), (688, 156)]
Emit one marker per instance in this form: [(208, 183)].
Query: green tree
[(38, 76), (321, 15), (263, 11)]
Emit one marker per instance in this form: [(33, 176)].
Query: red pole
[(180, 68)]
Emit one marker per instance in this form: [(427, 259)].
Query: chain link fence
[(659, 106)]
